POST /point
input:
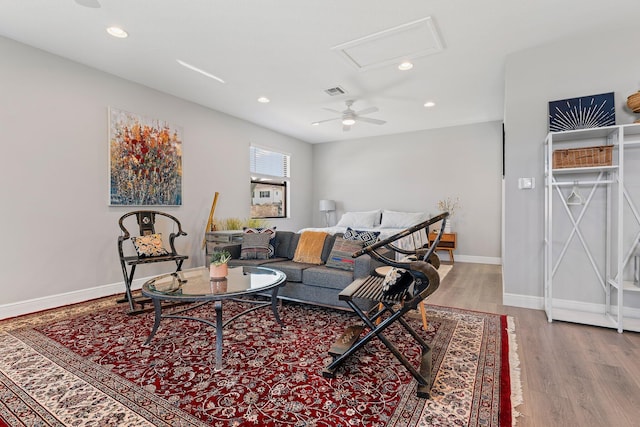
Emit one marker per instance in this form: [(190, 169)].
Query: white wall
[(58, 232), (61, 233), (590, 64), (412, 171)]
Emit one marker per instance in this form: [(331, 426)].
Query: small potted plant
[(449, 205), (219, 260)]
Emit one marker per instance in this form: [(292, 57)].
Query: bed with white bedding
[(385, 222)]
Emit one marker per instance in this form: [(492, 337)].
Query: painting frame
[(145, 160)]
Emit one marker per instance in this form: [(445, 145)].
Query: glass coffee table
[(195, 286)]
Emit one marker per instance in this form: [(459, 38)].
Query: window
[(269, 189)]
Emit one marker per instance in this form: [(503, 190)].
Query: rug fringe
[(514, 368)]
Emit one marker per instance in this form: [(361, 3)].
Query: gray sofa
[(308, 283)]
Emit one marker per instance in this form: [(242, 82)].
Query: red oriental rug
[(86, 365)]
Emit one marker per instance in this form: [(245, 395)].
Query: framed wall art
[(145, 161), (582, 113)]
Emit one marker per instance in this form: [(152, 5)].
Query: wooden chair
[(146, 251), (422, 280)]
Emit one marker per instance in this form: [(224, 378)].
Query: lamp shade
[(327, 205)]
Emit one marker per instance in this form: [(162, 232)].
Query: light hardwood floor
[(572, 375)]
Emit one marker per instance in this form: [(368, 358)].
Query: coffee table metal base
[(219, 324)]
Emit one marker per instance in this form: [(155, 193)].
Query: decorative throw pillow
[(255, 246), (149, 245), (271, 232), (368, 237), (309, 249), (359, 219), (392, 219), (341, 254)]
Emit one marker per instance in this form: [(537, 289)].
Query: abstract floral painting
[(145, 161)]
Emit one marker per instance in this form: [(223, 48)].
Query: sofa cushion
[(368, 237), (269, 262), (326, 277), (293, 270), (283, 243), (310, 246), (328, 246), (293, 244), (341, 254), (255, 246)]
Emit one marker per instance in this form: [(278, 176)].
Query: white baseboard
[(523, 301), (475, 259), (44, 303), (537, 303), (593, 307)]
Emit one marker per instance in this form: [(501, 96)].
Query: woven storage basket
[(582, 157)]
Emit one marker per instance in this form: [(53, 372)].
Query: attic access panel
[(406, 41)]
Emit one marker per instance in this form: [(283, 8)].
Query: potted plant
[(449, 205), (219, 260)]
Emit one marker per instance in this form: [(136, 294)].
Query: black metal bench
[(391, 307), (147, 226)]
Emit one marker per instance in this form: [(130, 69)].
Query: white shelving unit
[(592, 231)]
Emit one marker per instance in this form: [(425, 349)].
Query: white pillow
[(392, 219), (359, 219)]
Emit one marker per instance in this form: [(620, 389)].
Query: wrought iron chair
[(419, 281), (149, 249)]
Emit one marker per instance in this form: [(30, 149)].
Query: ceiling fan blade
[(368, 120), (367, 110), (89, 3), (333, 111), (346, 128), (327, 120)]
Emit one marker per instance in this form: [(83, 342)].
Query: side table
[(448, 242)]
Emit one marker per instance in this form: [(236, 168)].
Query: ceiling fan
[(350, 116), (94, 4)]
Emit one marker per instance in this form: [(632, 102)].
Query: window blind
[(266, 162)]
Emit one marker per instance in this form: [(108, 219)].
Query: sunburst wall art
[(145, 161), (582, 113)]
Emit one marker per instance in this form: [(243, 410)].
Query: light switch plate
[(526, 183)]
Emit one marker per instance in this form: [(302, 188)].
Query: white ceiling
[(282, 49)]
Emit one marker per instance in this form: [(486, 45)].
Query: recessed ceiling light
[(406, 65), (264, 100), (315, 124), (429, 104), (198, 70), (117, 32)]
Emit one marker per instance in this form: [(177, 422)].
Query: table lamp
[(327, 206)]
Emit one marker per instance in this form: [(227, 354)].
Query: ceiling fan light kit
[(349, 116), (117, 32)]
